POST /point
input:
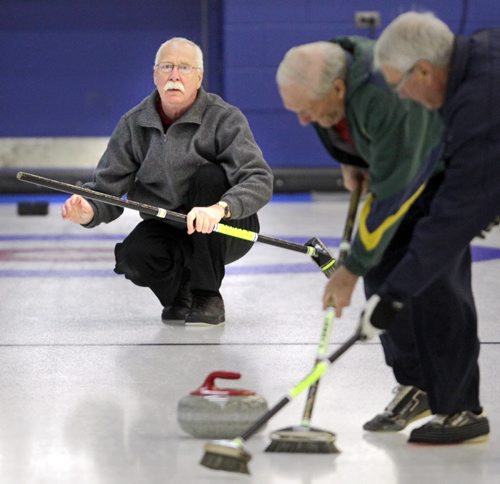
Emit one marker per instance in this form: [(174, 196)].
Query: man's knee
[(130, 261)]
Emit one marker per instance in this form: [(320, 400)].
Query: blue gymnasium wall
[(73, 67), (259, 32)]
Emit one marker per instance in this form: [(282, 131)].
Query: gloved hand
[(378, 315)]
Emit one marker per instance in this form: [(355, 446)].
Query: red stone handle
[(208, 387)]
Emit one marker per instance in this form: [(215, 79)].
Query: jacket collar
[(458, 65), (359, 51), (150, 118)]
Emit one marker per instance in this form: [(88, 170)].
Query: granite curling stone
[(219, 413)]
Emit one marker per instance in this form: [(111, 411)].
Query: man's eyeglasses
[(399, 86), (168, 67)]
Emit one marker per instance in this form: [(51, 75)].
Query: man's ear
[(340, 88), (200, 78), (155, 78), (425, 71)]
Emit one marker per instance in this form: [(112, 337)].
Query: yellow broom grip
[(316, 373)]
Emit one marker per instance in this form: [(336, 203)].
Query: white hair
[(176, 40), (315, 66), (411, 37)]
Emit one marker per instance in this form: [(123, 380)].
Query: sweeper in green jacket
[(390, 146)]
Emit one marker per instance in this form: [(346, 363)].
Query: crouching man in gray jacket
[(189, 151)]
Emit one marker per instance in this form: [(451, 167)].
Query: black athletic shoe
[(408, 405), (174, 313), (452, 429), (181, 305), (206, 311)]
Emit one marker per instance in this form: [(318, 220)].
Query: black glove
[(378, 315)]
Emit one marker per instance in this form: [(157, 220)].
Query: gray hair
[(411, 37), (315, 66), (175, 40)]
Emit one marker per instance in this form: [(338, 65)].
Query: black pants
[(434, 343), (160, 255)]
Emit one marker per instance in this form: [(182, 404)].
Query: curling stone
[(219, 413)]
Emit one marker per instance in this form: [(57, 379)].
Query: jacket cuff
[(355, 267)]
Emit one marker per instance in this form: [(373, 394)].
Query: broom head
[(303, 439), (226, 455)]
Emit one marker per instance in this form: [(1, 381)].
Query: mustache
[(173, 85)]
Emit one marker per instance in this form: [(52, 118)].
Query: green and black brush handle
[(318, 251), (345, 246)]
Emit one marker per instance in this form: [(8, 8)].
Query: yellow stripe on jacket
[(371, 239)]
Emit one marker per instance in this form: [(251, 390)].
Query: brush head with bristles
[(226, 455), (302, 447), (303, 439)]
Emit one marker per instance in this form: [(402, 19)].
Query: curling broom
[(305, 438), (318, 251)]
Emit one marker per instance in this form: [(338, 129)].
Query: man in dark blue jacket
[(421, 58)]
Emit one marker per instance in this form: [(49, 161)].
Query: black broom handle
[(161, 212), (345, 246), (313, 376)]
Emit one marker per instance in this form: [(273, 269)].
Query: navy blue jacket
[(469, 197)]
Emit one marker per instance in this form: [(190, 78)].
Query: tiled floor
[(91, 378)]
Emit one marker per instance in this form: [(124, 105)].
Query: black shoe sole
[(474, 432), (205, 323)]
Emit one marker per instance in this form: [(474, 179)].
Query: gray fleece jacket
[(153, 167)]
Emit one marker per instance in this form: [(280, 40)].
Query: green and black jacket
[(397, 140)]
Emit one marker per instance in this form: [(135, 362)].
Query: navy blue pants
[(161, 255), (433, 344)]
